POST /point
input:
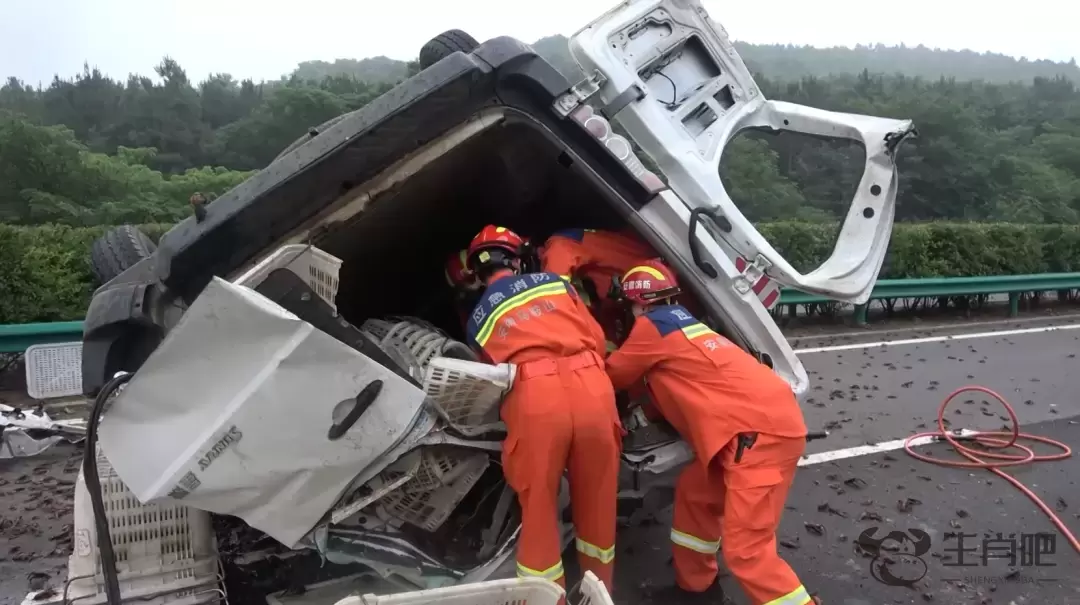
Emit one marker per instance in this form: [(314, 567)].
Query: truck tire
[(444, 45), (117, 251), (311, 134)]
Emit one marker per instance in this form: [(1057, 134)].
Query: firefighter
[(560, 412), (467, 287), (744, 425), (597, 259)]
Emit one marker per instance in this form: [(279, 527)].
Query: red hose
[(992, 440)]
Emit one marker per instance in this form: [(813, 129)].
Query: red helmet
[(496, 237), (490, 239), (649, 282), (457, 271)]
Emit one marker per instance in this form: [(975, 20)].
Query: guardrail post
[(860, 314), (1014, 304), (792, 311)]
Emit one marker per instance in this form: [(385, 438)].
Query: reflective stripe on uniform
[(484, 333), (695, 544), (552, 573), (604, 555), (695, 330), (799, 596)]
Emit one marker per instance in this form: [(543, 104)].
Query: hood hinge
[(579, 93)]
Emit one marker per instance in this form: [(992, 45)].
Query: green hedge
[(45, 274), (45, 271), (944, 249)]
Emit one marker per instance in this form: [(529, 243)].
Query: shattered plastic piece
[(825, 507), (906, 506), (16, 443), (38, 420)]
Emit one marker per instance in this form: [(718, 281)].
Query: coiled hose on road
[(994, 461)]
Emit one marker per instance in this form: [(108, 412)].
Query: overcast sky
[(263, 39)]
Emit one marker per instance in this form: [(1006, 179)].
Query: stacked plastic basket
[(518, 591)]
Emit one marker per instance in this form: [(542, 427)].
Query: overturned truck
[(297, 390)]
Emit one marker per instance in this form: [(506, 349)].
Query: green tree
[(286, 114), (753, 180), (1000, 137)]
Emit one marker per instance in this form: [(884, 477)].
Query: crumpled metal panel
[(233, 413)]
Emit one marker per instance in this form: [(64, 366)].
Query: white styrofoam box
[(517, 591), (161, 548), (468, 394), (54, 370), (318, 268)]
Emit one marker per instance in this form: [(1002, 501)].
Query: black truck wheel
[(444, 45), (118, 250)]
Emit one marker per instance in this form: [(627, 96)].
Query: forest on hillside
[(999, 137)]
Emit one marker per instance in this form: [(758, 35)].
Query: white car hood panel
[(231, 415)]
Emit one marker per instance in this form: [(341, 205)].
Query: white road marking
[(866, 450), (915, 341), (936, 327)]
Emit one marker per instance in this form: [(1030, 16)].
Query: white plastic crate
[(515, 591), (393, 477), (421, 340), (426, 502), (468, 394), (442, 466), (318, 268), (54, 370), (377, 328), (424, 342), (161, 548), (593, 591)]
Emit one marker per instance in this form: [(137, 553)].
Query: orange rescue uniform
[(597, 256), (560, 415), (711, 391)]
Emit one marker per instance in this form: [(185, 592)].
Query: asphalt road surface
[(867, 388), (36, 500), (871, 388)]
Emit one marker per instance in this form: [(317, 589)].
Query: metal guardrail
[(932, 287), (16, 338)]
